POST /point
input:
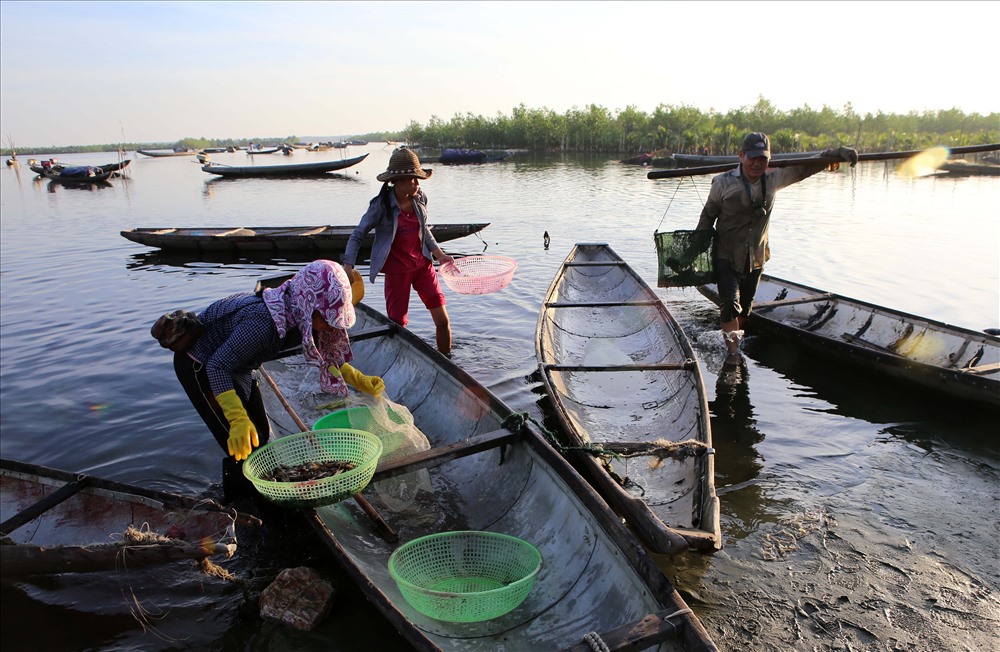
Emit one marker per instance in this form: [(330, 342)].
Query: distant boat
[(269, 150), (317, 168), (37, 167), (273, 239), (694, 160), (458, 156), (77, 175), (961, 167), (163, 153)]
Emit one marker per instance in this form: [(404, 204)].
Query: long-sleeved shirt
[(239, 336), (385, 232), (741, 232)]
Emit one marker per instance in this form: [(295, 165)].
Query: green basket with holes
[(333, 444), (465, 576)]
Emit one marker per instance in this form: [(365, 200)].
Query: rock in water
[(298, 597)]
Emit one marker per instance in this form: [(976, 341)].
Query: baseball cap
[(756, 144)]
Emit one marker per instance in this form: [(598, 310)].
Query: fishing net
[(393, 424), (685, 258)]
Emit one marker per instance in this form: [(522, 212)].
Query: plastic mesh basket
[(356, 446), (392, 433), (478, 274), (465, 576), (685, 258)]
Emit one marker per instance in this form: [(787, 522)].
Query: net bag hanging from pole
[(684, 257)]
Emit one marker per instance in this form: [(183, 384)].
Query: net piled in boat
[(685, 258)]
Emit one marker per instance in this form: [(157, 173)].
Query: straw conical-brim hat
[(404, 163)]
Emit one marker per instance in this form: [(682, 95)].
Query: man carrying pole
[(739, 206)]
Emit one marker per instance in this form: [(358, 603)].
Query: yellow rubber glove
[(371, 385), (242, 432)]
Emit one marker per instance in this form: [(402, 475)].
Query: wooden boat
[(949, 360), (694, 160), (623, 380), (491, 470), (263, 150), (61, 522), (966, 168), (161, 153), (317, 168), (95, 175), (460, 156), (37, 168), (274, 239)]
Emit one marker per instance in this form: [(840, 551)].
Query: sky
[(83, 73)]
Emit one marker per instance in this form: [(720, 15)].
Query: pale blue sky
[(77, 73)]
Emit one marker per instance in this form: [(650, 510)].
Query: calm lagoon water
[(857, 514)]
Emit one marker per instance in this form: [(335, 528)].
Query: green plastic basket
[(465, 576), (360, 418), (357, 446)]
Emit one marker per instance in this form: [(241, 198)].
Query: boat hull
[(273, 240), (912, 349), (594, 576), (55, 519), (318, 168), (622, 376)]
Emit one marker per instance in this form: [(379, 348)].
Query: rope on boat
[(596, 643), (660, 449)]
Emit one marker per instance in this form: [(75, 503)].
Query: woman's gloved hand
[(371, 385), (242, 432)]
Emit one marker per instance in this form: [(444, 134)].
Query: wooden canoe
[(58, 176), (695, 160), (490, 470), (165, 153), (57, 521), (623, 378), (327, 240), (109, 167), (946, 359), (290, 170), (263, 150)]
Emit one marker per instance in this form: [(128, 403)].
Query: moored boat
[(316, 168), (949, 360), (626, 387), (165, 153), (77, 175), (489, 470), (38, 168), (695, 160), (324, 239), (60, 522)]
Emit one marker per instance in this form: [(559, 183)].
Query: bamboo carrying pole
[(387, 532), (780, 163)]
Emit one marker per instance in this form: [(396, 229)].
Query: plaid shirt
[(239, 336)]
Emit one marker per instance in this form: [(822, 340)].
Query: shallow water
[(857, 514)]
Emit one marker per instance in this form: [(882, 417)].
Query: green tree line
[(686, 129), (670, 128)]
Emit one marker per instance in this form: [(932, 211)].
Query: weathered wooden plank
[(438, 456)]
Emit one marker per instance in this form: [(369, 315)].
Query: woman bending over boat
[(403, 246), (242, 331)]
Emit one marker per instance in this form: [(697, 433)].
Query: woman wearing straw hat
[(403, 246)]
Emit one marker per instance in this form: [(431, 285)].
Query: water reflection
[(90, 186), (216, 183), (198, 259)]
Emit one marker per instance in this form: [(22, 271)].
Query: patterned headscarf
[(321, 286)]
